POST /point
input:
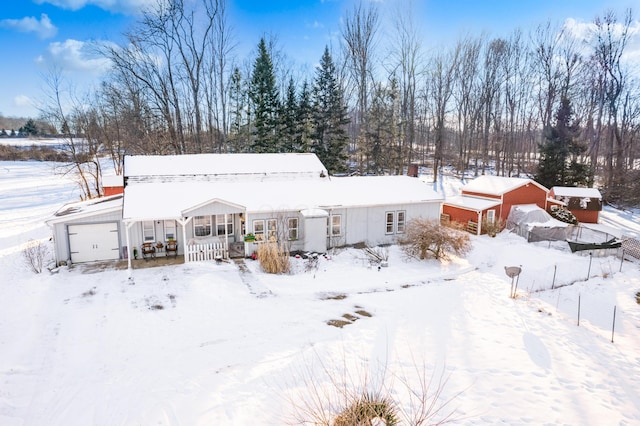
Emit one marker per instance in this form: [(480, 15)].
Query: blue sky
[(36, 35)]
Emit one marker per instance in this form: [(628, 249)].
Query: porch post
[(226, 237), (128, 226), (479, 229), (184, 224)]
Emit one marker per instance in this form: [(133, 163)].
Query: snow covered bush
[(563, 215), (426, 238), (274, 257), (35, 255)]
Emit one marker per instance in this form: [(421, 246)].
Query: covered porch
[(211, 230)]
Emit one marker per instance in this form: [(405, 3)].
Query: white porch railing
[(204, 252)]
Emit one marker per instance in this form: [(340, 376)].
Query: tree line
[(530, 103)]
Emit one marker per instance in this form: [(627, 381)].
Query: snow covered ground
[(207, 344)]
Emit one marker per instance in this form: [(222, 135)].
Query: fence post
[(578, 309), (621, 260), (613, 328), (590, 259), (553, 283)]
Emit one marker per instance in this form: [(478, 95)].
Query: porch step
[(251, 281)]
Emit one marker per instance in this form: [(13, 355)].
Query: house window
[(390, 221), (258, 229), (169, 230), (148, 231), (400, 225), (491, 216), (334, 225), (272, 229), (202, 226), (292, 225), (220, 224), (395, 222)]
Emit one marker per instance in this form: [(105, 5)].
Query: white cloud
[(73, 55), (131, 7), (29, 24), (22, 101)]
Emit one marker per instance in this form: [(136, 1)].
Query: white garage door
[(88, 243)]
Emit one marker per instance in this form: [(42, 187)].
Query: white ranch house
[(223, 205)]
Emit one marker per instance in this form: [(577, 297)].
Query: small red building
[(112, 185), (491, 198), (584, 203)]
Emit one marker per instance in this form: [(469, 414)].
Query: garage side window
[(148, 231), (390, 222), (400, 226)]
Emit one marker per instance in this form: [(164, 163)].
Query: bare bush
[(492, 228), (35, 255), (274, 257), (344, 393), (426, 238)]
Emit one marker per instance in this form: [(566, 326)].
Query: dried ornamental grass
[(274, 258)]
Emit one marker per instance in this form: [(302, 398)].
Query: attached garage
[(92, 242), (88, 231)]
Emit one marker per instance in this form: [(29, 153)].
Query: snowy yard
[(204, 344)]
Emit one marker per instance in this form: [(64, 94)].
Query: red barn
[(491, 198)]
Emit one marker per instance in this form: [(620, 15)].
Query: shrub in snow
[(35, 254), (428, 238), (492, 228), (368, 409), (353, 392), (274, 257), (563, 215)]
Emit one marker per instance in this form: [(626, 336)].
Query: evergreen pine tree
[(265, 103), (560, 153), (304, 120), (329, 117), (288, 118), (29, 129)]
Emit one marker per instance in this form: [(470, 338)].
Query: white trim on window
[(390, 221), (148, 231), (170, 230), (491, 216), (401, 221), (202, 226), (258, 229), (292, 226), (220, 225), (272, 229), (334, 225)]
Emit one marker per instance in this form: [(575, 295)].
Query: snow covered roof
[(112, 180), (87, 208), (471, 203), (222, 166), (567, 191), (497, 185), (170, 199)]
